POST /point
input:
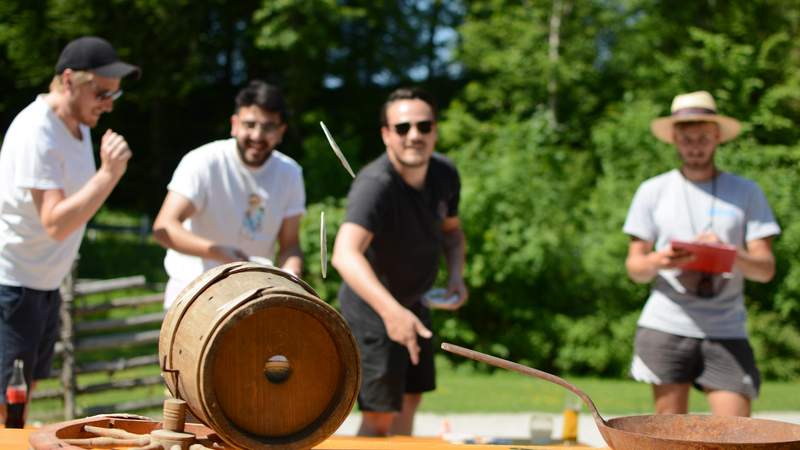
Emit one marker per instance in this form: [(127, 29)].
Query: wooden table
[(419, 443), (18, 440)]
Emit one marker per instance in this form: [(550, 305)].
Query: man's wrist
[(106, 176), (653, 261), (389, 310), (455, 278)]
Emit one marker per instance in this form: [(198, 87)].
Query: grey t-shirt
[(670, 207)]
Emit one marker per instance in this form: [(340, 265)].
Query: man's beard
[(411, 164), (699, 165), (242, 150), (419, 161)]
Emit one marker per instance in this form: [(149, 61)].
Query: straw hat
[(695, 107)]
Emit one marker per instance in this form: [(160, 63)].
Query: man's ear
[(66, 80), (234, 124), (385, 134)]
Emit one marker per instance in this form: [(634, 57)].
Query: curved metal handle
[(525, 370)]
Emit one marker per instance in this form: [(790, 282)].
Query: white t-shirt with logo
[(38, 152), (669, 207), (235, 205)]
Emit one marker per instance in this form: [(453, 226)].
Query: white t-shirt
[(670, 207), (235, 205), (38, 152)]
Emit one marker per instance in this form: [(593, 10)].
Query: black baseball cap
[(95, 54)]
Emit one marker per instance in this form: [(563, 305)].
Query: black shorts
[(386, 370), (29, 329), (710, 364)]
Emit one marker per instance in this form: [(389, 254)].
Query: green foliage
[(324, 174), (776, 343), (543, 202), (328, 287), (551, 142), (117, 255), (598, 343), (516, 74), (335, 61)]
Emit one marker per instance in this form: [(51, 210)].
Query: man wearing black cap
[(49, 189)]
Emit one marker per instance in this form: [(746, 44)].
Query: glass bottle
[(16, 396), (541, 428), (569, 430)]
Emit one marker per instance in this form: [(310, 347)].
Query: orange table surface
[(417, 443), (18, 440)]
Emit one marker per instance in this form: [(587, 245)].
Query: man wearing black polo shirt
[(402, 212)]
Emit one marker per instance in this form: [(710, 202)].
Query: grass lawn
[(464, 389), (46, 406), (460, 389)]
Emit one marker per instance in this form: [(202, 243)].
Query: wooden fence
[(142, 230), (79, 334)]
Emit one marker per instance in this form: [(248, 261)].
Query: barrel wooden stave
[(219, 335)]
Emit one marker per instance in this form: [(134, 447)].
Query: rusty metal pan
[(670, 431)]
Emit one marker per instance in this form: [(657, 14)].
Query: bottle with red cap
[(16, 396)]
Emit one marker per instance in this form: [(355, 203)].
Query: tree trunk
[(559, 10), (433, 24)]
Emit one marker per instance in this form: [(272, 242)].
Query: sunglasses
[(108, 95), (705, 286), (424, 127), (102, 95)]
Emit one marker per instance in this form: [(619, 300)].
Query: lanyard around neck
[(711, 209)]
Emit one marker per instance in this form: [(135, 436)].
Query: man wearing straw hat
[(692, 329)]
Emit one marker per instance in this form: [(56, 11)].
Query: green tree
[(545, 213)]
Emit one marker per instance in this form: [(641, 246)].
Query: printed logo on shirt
[(254, 215), (722, 212)]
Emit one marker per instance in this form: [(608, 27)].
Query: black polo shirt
[(406, 224)]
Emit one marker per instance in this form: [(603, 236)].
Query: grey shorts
[(709, 364)]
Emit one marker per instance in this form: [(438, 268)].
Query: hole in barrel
[(277, 369)]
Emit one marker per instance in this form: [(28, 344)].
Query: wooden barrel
[(259, 358)]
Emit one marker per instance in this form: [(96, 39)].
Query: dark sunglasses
[(705, 286), (102, 95), (108, 95), (424, 127)]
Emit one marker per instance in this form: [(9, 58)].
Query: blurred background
[(545, 107)]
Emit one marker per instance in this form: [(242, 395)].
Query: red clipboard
[(708, 257)]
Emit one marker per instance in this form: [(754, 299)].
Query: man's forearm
[(358, 274), (641, 268), (64, 217), (176, 237), (291, 259), (756, 267), (455, 251)]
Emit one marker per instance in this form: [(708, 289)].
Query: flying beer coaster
[(323, 245), (336, 149)]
